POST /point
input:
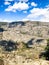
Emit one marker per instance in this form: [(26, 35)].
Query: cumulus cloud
[(17, 6), (33, 4), (9, 0), (47, 6), (24, 11), (25, 19), (39, 14), (24, 0), (18, 0), (7, 3)]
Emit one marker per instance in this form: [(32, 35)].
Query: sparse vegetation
[(47, 50), (13, 50), (8, 45), (45, 53)]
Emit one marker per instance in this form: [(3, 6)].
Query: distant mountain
[(13, 23), (17, 23), (3, 23)]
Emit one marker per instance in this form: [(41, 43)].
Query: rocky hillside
[(24, 31), (23, 43)]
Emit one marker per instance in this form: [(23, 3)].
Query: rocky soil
[(19, 60), (29, 33)]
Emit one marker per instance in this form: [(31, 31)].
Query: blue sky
[(22, 10)]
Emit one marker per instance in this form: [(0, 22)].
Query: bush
[(8, 45), (46, 53), (47, 50)]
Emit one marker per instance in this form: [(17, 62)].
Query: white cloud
[(25, 19), (17, 6), (18, 0), (47, 6), (33, 4), (4, 20), (24, 0), (39, 14), (9, 0), (24, 11), (7, 3)]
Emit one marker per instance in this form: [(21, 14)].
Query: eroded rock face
[(26, 32)]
